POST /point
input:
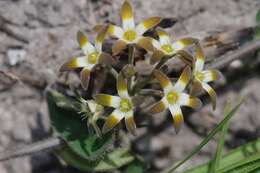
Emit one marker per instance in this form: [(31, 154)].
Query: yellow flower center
[(125, 105), (167, 48), (172, 97), (92, 58), (130, 35), (199, 76)]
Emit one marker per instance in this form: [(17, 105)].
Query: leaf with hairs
[(68, 124)]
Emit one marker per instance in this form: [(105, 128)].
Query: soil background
[(37, 36)]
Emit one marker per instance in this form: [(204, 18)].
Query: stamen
[(130, 35), (199, 76), (92, 58), (172, 97), (167, 48), (125, 105)]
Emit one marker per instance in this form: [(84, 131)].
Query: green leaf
[(110, 161), (258, 17), (257, 32), (207, 139), (137, 166), (231, 158), (217, 157), (68, 124), (244, 166)]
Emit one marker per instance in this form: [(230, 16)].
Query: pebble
[(15, 56)]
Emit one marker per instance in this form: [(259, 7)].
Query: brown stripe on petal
[(130, 124), (162, 78), (195, 103), (145, 43), (213, 97), (118, 47), (184, 42), (111, 122), (158, 107), (82, 39), (85, 77), (215, 74), (74, 63), (121, 86), (212, 94), (105, 58), (178, 122), (162, 33), (157, 56), (185, 76), (103, 99), (151, 22), (126, 11), (199, 53)]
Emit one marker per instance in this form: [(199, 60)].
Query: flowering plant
[(123, 88)]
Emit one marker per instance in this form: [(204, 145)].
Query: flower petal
[(187, 100), (122, 86), (200, 59), (100, 38), (156, 44), (107, 100), (183, 43), (105, 58), (130, 122), (147, 24), (74, 63), (84, 44), (145, 43), (112, 120), (156, 57), (212, 94), (177, 117), (163, 80), (183, 80), (163, 37), (115, 31), (85, 77), (159, 107), (210, 75), (186, 57), (118, 47), (127, 16)]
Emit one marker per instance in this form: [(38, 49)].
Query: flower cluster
[(175, 94)]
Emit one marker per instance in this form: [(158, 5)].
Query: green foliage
[(197, 149), (217, 157), (257, 29), (258, 17), (110, 161), (243, 166), (232, 157), (137, 166)]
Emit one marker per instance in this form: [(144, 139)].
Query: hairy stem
[(131, 49), (45, 145)]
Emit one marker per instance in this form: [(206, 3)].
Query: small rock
[(15, 56)]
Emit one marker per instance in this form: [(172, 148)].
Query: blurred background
[(37, 36)]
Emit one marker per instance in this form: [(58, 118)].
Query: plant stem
[(113, 72), (46, 144), (131, 49)]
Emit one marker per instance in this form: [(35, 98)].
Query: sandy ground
[(36, 36)]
